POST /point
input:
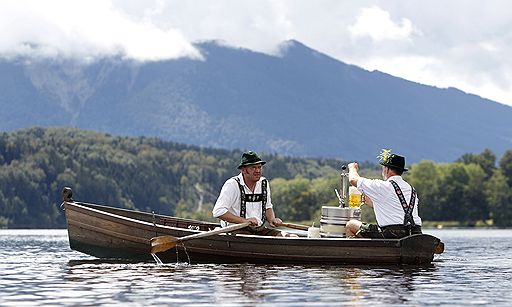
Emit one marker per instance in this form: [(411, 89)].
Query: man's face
[(253, 172)]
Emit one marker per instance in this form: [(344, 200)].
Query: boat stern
[(420, 249)]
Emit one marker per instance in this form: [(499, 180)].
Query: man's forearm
[(231, 218), (269, 213)]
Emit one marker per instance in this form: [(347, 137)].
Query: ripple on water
[(40, 269)]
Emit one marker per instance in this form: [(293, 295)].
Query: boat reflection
[(250, 283)]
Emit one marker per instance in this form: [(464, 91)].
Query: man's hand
[(275, 222), (353, 175), (353, 165), (253, 220)]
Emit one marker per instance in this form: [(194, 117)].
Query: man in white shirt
[(246, 198), (394, 201)]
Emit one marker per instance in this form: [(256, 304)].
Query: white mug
[(313, 232)]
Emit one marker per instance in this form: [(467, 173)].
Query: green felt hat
[(250, 158)]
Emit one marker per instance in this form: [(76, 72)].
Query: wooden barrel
[(334, 219)]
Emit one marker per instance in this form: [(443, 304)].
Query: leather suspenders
[(408, 219), (244, 198)]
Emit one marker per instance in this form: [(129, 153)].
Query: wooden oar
[(163, 243), (295, 226)]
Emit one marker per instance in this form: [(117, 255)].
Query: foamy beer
[(354, 197)]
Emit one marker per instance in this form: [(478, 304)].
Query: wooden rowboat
[(114, 233)]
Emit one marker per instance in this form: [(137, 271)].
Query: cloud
[(258, 25), (86, 30), (462, 45), (377, 24)]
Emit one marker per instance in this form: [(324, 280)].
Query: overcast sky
[(465, 44)]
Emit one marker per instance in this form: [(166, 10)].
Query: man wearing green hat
[(394, 201), (246, 198)]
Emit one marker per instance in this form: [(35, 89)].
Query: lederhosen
[(408, 227), (244, 198)]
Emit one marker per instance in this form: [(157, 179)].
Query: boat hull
[(112, 233)]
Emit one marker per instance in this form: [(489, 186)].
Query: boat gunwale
[(86, 208)]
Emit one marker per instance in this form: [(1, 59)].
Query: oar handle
[(214, 232), (295, 226)]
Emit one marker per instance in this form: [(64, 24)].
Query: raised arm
[(353, 175)]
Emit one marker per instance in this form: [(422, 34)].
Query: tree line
[(145, 174), (149, 174), (474, 189)]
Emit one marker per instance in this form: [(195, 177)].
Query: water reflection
[(41, 270), (246, 283), (395, 284)]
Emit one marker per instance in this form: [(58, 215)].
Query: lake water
[(38, 268)]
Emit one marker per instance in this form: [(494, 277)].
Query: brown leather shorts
[(387, 232), (263, 230)]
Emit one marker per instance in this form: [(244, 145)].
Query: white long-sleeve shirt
[(386, 205), (230, 200)]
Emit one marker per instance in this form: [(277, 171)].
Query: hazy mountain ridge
[(300, 102)]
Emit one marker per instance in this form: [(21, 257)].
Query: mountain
[(300, 102)]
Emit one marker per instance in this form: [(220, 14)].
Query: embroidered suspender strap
[(408, 219), (244, 198), (263, 200)]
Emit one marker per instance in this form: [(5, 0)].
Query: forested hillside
[(149, 174), (139, 173)]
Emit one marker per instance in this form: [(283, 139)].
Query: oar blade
[(163, 243)]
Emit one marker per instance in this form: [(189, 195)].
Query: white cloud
[(430, 71), (84, 29), (377, 24), (257, 25), (405, 66)]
